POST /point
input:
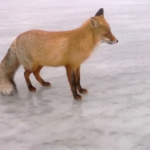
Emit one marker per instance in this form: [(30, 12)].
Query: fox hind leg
[(39, 78), (29, 84)]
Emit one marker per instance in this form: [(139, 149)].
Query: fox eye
[(107, 32)]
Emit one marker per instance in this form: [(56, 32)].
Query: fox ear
[(95, 23), (100, 12)]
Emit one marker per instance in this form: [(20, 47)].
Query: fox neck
[(83, 41), (86, 37)]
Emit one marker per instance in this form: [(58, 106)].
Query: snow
[(114, 115)]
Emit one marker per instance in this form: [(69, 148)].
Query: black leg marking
[(72, 81), (79, 87)]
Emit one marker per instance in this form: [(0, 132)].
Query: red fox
[(35, 49)]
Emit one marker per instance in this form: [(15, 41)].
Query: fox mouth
[(109, 42)]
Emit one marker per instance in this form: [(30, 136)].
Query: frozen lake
[(115, 115)]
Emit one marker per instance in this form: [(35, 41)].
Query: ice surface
[(115, 115)]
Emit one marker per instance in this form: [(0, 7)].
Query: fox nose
[(117, 41)]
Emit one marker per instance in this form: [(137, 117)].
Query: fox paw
[(78, 97), (32, 89), (83, 91), (46, 84)]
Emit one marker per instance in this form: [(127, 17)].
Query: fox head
[(101, 28)]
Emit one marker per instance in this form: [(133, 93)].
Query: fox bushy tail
[(8, 67)]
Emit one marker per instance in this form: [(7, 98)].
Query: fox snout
[(109, 38), (108, 41), (113, 42)]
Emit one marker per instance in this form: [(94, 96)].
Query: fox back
[(45, 48)]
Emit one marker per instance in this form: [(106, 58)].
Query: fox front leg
[(79, 87), (72, 80)]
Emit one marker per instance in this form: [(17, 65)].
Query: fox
[(34, 49)]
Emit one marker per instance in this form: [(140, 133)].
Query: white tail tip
[(7, 89)]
